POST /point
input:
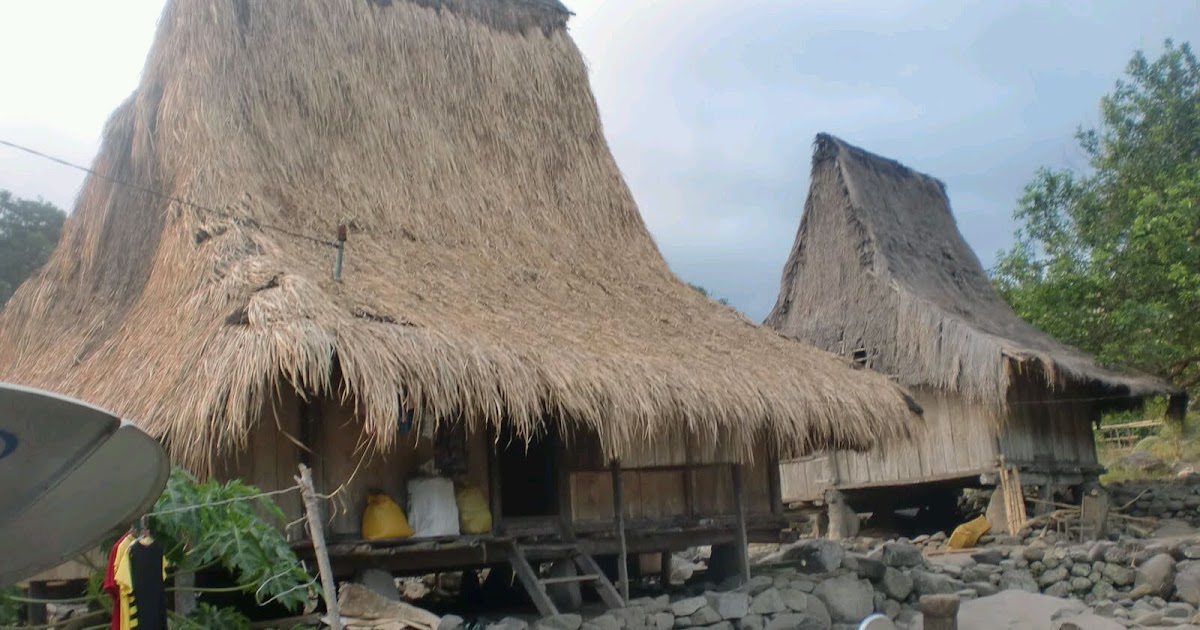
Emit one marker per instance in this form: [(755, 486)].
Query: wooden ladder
[(535, 585)]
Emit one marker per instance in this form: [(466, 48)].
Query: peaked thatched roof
[(879, 266), (496, 266)]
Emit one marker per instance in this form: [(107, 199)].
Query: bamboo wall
[(958, 442)]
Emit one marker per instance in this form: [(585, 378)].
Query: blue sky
[(711, 106)]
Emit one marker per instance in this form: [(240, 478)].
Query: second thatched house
[(880, 275), (367, 235)]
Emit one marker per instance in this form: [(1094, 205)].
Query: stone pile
[(1159, 499)]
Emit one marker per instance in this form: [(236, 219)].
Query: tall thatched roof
[(496, 266), (879, 267)]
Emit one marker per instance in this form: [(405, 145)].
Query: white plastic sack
[(432, 510)]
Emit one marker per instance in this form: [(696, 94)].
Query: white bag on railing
[(432, 510)]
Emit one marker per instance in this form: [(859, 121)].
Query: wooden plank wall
[(1049, 427), (957, 438), (271, 459), (659, 487)]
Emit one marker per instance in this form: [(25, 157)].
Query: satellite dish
[(70, 475)]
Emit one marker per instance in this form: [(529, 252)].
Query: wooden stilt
[(742, 542), (619, 517), (317, 533)]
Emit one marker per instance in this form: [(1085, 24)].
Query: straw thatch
[(879, 268), (496, 266)]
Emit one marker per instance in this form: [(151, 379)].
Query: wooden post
[(775, 485), (317, 534), (619, 516), (494, 484), (742, 542)]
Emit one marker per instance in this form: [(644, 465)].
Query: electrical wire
[(162, 195)]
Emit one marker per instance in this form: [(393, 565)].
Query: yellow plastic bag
[(473, 514), (966, 535), (383, 518)]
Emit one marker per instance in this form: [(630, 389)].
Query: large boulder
[(1187, 584), (730, 605), (849, 600), (926, 583), (768, 602), (1155, 577), (900, 555), (1119, 575), (896, 584), (801, 602), (815, 555)]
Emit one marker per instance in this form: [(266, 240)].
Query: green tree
[(702, 291), (1108, 259), (29, 230)]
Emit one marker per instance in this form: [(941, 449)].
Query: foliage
[(236, 531), (29, 230), (10, 609), (702, 291), (206, 617), (1109, 259)]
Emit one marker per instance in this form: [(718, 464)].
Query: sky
[(711, 106)]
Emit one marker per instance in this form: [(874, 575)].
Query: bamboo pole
[(619, 515), (317, 533)]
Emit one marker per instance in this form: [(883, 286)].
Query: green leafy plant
[(235, 528)]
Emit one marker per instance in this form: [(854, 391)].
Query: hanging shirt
[(126, 606), (149, 571), (119, 550)]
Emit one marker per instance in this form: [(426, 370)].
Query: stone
[(729, 605), (901, 555), (450, 622), (757, 584), (661, 620), (979, 573), (751, 622), (1178, 610), (1103, 590), (567, 621), (796, 621), (1089, 621), (509, 623), (1097, 550), (925, 583), (707, 615), (1058, 589), (815, 555), (847, 599), (896, 584), (1148, 619), (804, 586), (604, 622), (866, 568), (1116, 555), (1081, 570), (1081, 584), (567, 596), (989, 556), (1018, 580), (1053, 575), (723, 625), (1033, 554), (1187, 584), (983, 589), (689, 606), (1156, 576), (891, 609), (1119, 575), (768, 602)]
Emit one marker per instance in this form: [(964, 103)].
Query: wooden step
[(569, 578)]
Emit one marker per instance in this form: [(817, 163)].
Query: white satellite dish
[(70, 475)]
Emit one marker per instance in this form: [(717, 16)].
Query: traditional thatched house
[(394, 225), (880, 275)]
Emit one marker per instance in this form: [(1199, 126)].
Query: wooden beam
[(619, 517), (742, 540), (529, 579), (328, 585), (775, 485), (494, 483)]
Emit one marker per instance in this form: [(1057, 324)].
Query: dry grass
[(879, 264), (497, 267)]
